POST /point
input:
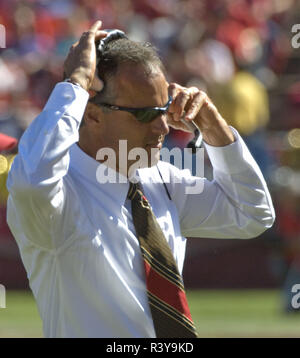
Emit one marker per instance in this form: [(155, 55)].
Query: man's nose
[(160, 124)]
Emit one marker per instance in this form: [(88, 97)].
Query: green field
[(220, 313)]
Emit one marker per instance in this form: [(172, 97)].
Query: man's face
[(136, 89)]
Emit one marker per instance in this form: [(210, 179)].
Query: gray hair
[(125, 51)]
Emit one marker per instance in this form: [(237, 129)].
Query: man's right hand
[(80, 64)]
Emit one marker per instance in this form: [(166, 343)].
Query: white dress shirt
[(76, 236)]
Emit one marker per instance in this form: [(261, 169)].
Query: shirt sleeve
[(35, 181), (235, 204)]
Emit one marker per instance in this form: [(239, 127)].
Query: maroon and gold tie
[(170, 312)]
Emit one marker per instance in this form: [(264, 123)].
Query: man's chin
[(146, 161)]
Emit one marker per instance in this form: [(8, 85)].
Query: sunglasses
[(144, 115)]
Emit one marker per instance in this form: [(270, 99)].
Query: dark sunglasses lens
[(149, 115)]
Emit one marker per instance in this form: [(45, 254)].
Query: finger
[(179, 104), (173, 90), (72, 48), (96, 26), (94, 32), (100, 35), (198, 100), (170, 120), (177, 124), (91, 37)]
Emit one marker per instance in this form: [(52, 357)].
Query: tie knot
[(132, 191), (136, 191)]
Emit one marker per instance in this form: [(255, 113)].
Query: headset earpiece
[(113, 34)]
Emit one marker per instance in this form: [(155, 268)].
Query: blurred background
[(245, 55)]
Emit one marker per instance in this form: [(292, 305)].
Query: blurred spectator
[(7, 143), (240, 97), (7, 148), (243, 101)]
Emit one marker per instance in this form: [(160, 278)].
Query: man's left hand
[(192, 104)]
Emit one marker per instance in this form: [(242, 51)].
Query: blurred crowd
[(239, 51)]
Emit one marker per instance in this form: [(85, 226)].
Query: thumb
[(97, 84)]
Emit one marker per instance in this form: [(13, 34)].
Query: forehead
[(140, 87)]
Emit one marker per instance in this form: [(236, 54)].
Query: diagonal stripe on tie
[(161, 269), (165, 290), (168, 310)]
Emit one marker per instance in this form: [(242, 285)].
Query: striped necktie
[(165, 290)]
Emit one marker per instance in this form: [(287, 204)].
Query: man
[(77, 237)]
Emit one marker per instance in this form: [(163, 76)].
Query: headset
[(112, 34), (115, 34)]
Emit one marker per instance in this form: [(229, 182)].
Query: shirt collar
[(89, 168)]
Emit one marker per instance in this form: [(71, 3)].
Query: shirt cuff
[(69, 99), (233, 158)]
